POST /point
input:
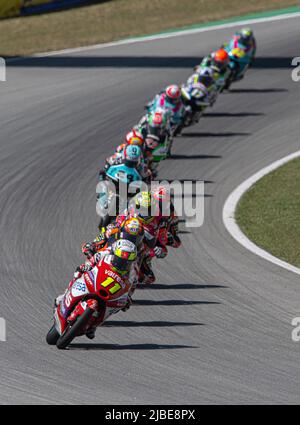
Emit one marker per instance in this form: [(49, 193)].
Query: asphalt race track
[(216, 327)]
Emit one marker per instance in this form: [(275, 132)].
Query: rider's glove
[(86, 267), (159, 252), (87, 249), (79, 270)]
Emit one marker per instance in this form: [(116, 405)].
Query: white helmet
[(124, 253)]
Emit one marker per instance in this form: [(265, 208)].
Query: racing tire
[(52, 336), (74, 329)]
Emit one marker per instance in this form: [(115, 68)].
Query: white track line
[(231, 205), (164, 35)]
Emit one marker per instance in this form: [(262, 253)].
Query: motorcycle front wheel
[(74, 329), (52, 336)]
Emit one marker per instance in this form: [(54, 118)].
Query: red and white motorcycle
[(88, 302)]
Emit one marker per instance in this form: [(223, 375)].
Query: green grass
[(269, 213), (117, 19)]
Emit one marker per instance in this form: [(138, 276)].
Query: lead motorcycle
[(240, 61), (88, 303)]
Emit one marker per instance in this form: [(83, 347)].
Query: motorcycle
[(113, 191), (239, 63), (87, 304), (156, 151), (194, 98)]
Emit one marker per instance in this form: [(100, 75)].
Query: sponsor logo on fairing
[(89, 278), (115, 276), (79, 288)]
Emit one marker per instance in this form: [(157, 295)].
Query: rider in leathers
[(127, 269)]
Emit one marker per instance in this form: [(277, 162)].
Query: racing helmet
[(220, 59), (173, 94), (134, 137), (245, 36), (124, 253), (143, 207), (132, 230), (161, 194), (132, 156)]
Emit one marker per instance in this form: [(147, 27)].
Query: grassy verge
[(269, 213), (117, 19)]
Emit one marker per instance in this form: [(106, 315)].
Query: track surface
[(216, 326)]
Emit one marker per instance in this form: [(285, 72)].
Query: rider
[(130, 229), (162, 195), (246, 39), (204, 79), (155, 124), (134, 137), (121, 257), (131, 157), (170, 99), (218, 61), (196, 94), (156, 130)]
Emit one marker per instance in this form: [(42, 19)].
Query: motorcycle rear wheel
[(74, 329)]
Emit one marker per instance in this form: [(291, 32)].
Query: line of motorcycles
[(101, 291)]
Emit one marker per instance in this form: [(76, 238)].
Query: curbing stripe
[(231, 205), (262, 17)]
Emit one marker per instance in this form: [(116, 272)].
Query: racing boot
[(128, 304), (173, 240), (146, 273)]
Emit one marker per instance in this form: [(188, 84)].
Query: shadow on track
[(228, 134), (194, 195), (178, 156), (272, 62), (117, 347), (180, 286), (133, 62), (108, 62), (258, 90), (186, 180), (233, 114), (153, 324), (172, 302)]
